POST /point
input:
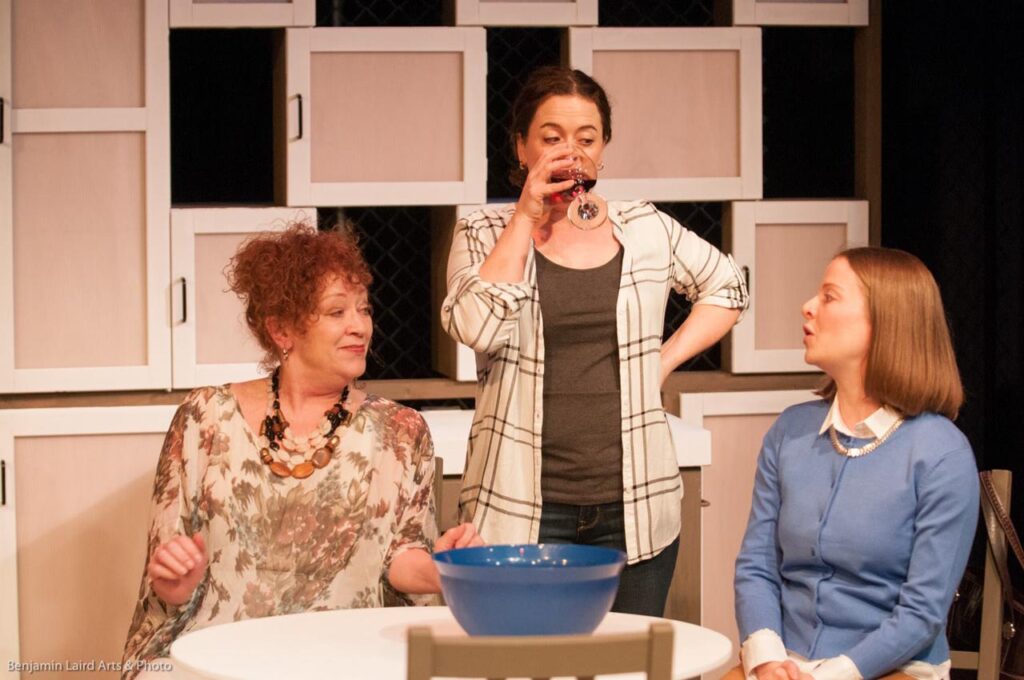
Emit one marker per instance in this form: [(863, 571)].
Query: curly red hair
[(281, 275)]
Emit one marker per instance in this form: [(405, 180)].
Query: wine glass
[(586, 209)]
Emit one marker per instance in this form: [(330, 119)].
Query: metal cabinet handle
[(2, 111), (746, 277), (3, 482), (184, 300), (705, 503), (299, 98)]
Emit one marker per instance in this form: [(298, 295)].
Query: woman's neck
[(304, 401), (560, 241), (854, 404)]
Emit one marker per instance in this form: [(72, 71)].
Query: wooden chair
[(540, 657), (987, 659)]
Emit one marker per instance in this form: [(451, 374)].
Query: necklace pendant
[(321, 458), (280, 469), (854, 452)]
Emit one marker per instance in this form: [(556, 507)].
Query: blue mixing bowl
[(547, 589)]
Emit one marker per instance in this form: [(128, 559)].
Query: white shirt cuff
[(837, 668), (760, 647)]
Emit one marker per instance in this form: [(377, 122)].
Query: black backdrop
[(953, 175)]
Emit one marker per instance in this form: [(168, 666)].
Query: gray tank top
[(581, 461)]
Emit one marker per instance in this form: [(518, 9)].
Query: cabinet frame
[(483, 13), (186, 224), (152, 119), (297, 97), (694, 407), (49, 422), (584, 42), (741, 222), (754, 13), (187, 13)]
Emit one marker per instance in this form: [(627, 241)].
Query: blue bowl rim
[(614, 556)]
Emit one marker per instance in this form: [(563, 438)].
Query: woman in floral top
[(298, 492)]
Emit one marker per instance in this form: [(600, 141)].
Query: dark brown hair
[(281, 275), (549, 81), (911, 367)]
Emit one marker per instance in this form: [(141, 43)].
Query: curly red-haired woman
[(297, 491)]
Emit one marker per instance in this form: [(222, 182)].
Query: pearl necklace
[(857, 452), (289, 456)]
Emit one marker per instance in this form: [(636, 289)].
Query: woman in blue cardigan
[(866, 501)]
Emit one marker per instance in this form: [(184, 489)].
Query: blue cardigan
[(857, 556)]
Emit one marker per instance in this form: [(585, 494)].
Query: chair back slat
[(582, 656)]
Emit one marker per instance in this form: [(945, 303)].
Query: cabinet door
[(73, 528), (800, 12), (687, 110), (212, 343), (384, 116), (784, 247), (525, 12), (242, 13), (85, 171), (738, 422)]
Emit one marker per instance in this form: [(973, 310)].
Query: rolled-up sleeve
[(478, 313), (703, 273)]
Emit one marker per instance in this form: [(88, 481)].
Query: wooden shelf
[(433, 388)]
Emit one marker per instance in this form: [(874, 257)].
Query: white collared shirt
[(765, 645), (872, 427)]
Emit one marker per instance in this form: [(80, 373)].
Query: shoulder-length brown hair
[(911, 367)]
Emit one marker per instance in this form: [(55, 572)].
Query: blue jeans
[(643, 586)]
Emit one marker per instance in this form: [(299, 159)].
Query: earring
[(600, 166), (285, 353), (522, 165)]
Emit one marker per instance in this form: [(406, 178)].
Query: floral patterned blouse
[(284, 545)]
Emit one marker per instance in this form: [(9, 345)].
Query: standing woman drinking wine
[(565, 297)]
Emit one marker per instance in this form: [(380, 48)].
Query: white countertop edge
[(449, 428)]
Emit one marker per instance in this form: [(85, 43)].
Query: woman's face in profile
[(837, 332), (563, 119)]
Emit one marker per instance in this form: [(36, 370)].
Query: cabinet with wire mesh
[(783, 248), (249, 13), (84, 160), (381, 116), (75, 496), (211, 343), (519, 13), (687, 110), (799, 12)]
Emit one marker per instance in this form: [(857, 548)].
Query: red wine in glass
[(586, 210), (583, 185)]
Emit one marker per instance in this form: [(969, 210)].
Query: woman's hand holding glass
[(534, 201), (176, 568)]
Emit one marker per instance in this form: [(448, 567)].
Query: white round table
[(369, 644)]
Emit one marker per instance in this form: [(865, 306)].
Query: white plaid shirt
[(502, 321)]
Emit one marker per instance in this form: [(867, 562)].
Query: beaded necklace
[(286, 456), (857, 452)]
